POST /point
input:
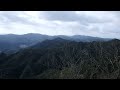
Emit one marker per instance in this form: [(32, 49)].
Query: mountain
[(11, 43), (51, 43), (82, 38), (25, 39), (67, 60), (88, 38)]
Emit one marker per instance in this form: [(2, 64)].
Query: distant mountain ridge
[(50, 43), (13, 42)]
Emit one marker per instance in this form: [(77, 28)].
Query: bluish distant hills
[(12, 42)]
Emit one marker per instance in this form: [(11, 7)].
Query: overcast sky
[(92, 23)]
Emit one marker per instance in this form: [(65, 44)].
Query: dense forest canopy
[(63, 59)]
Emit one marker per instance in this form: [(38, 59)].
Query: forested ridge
[(11, 43), (63, 59)]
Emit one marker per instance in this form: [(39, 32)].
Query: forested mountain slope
[(64, 59), (11, 43)]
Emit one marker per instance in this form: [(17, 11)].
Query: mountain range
[(11, 42)]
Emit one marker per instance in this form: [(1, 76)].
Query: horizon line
[(56, 35)]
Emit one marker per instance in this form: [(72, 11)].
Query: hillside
[(64, 60), (11, 43), (16, 42)]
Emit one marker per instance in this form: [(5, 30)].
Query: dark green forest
[(63, 59)]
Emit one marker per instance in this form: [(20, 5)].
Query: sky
[(104, 24)]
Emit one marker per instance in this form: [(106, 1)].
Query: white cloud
[(92, 23)]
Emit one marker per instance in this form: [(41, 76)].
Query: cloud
[(91, 23), (82, 17), (9, 17)]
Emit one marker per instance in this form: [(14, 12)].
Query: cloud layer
[(92, 23)]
